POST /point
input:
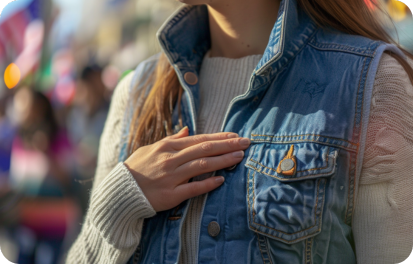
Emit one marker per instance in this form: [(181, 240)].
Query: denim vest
[(308, 103)]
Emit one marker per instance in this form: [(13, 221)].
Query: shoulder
[(392, 84), (329, 39), (390, 126), (390, 70)]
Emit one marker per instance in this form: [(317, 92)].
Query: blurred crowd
[(61, 60)]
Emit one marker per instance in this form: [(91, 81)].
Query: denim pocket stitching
[(322, 168), (291, 178), (308, 248), (305, 135), (282, 239), (264, 259), (294, 178)]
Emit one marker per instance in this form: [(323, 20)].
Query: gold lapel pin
[(288, 164)]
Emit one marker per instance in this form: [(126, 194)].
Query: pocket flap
[(312, 160)]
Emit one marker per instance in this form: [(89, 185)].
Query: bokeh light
[(12, 75), (397, 10)]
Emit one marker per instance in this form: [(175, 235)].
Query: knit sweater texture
[(383, 218)]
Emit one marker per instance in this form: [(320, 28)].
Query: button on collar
[(191, 78), (213, 229)]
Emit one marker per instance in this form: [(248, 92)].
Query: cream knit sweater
[(383, 220)]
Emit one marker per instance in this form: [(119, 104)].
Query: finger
[(204, 165), (211, 148), (186, 142), (195, 188)]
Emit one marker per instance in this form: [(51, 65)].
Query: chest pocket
[(286, 188)]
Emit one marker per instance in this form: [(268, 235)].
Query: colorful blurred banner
[(21, 38), (14, 19)]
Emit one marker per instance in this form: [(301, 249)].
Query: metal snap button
[(287, 164), (213, 229), (191, 78), (231, 168)]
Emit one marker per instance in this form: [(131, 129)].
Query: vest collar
[(185, 37)]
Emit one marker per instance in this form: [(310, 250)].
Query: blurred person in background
[(40, 172), (265, 132), (87, 118), (85, 123)]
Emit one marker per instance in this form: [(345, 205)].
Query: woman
[(312, 165)]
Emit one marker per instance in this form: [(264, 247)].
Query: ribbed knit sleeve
[(113, 224), (383, 218)]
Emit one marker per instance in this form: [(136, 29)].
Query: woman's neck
[(241, 27)]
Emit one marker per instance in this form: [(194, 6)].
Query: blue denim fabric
[(311, 89)]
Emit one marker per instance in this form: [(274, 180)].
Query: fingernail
[(219, 179), (232, 135), (238, 154), (185, 127), (245, 141)]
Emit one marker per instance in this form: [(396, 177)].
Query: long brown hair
[(155, 114)]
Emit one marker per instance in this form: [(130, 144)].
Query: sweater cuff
[(118, 207)]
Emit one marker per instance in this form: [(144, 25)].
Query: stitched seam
[(304, 135), (248, 193), (289, 179), (307, 41), (350, 148), (324, 46), (356, 159), (262, 254), (315, 215), (268, 255), (308, 251), (253, 197), (351, 197), (249, 202), (259, 247), (357, 99), (361, 53), (352, 173), (278, 238), (326, 158)]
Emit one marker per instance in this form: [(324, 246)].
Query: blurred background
[(60, 61)]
